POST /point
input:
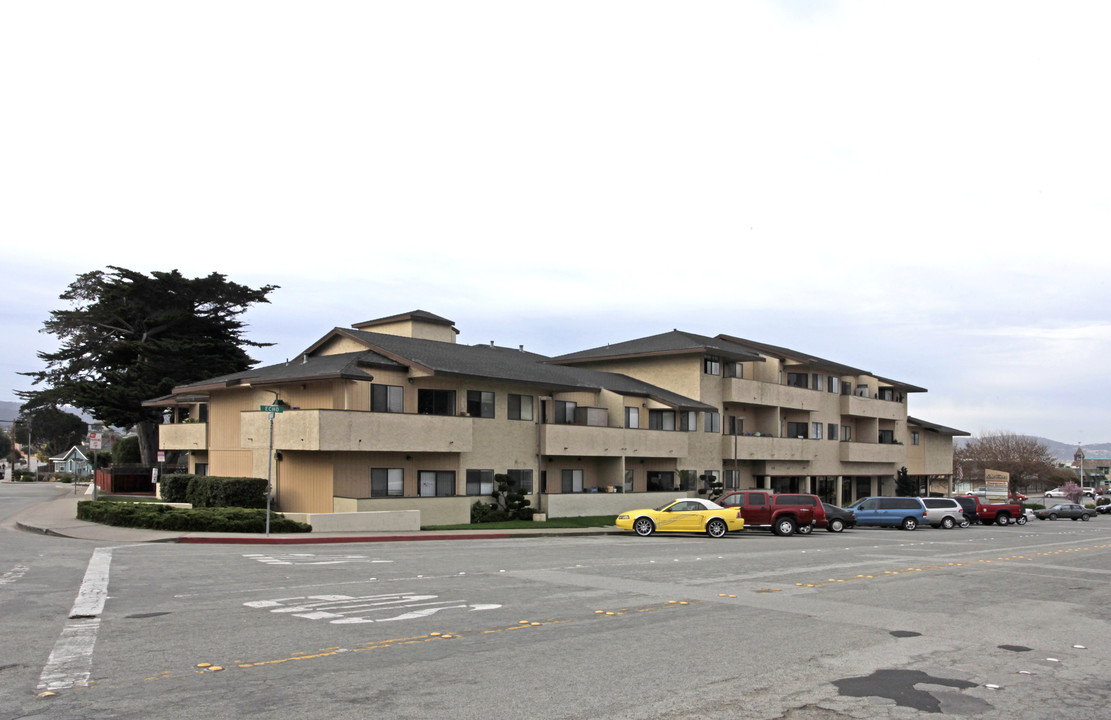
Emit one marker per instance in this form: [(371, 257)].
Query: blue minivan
[(905, 512)]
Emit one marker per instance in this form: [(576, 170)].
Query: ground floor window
[(661, 481), (732, 479), (628, 481), (523, 478), (387, 482), (200, 469), (436, 483), (480, 482), (572, 481)]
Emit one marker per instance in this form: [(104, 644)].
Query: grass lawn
[(571, 522)]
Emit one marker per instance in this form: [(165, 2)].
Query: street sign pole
[(269, 462)]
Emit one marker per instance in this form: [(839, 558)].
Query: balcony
[(754, 392), (872, 452), (184, 436), (752, 447), (856, 406), (355, 431), (563, 440)]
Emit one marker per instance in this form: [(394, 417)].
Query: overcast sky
[(918, 189)]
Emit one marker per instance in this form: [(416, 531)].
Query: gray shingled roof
[(940, 429), (669, 343), (301, 369)]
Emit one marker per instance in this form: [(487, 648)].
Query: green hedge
[(211, 491), (164, 517)]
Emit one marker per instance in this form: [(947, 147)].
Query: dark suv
[(783, 514)]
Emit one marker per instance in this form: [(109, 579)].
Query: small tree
[(904, 486), (126, 451), (1072, 491), (713, 488), (508, 498)]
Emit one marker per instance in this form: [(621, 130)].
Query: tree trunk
[(148, 442)]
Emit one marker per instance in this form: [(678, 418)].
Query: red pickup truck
[(988, 513), (783, 514)]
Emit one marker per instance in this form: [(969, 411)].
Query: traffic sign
[(272, 408)]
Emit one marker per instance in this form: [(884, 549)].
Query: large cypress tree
[(130, 337)]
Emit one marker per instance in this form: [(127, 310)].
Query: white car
[(1055, 493)]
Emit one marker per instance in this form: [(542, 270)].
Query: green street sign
[(272, 408)]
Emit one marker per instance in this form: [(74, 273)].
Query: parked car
[(1103, 509), (1064, 510), (1018, 497), (978, 492), (970, 508), (838, 518), (782, 513), (693, 515), (1055, 493), (944, 513), (905, 512), (988, 513), (1089, 491)]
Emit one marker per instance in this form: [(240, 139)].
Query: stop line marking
[(311, 559), (349, 609)]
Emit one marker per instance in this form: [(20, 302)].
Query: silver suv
[(944, 512)]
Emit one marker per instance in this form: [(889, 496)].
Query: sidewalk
[(58, 517)]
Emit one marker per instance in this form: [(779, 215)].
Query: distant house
[(74, 462)]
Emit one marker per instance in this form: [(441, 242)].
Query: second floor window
[(887, 437), (661, 419), (565, 412), (632, 417), (711, 365), (796, 429), (520, 407), (386, 398), (480, 404), (713, 422), (688, 421), (436, 402), (914, 437), (798, 380)]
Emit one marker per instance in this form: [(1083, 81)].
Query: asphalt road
[(982, 622)]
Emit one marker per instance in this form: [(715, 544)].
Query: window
[(436, 483), (711, 365), (736, 425), (387, 482), (480, 482), (798, 380), (688, 421), (847, 388), (202, 412), (688, 480), (661, 481), (520, 407), (834, 384), (436, 402), (734, 370), (887, 437), (523, 478), (572, 481), (386, 398), (817, 382), (200, 469), (628, 481), (886, 393), (480, 404), (632, 417), (846, 433), (817, 431), (796, 429), (732, 479), (832, 434), (565, 412), (713, 422), (661, 419)]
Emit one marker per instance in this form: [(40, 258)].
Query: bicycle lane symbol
[(349, 609)]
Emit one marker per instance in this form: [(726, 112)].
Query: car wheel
[(1002, 519), (835, 525), (1084, 517), (965, 523), (909, 523), (784, 527), (644, 527), (716, 528), (806, 529), (1021, 520), (1053, 516), (948, 523)]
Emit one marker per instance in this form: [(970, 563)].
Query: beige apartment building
[(393, 414)]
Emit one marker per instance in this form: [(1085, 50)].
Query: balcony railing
[(872, 452), (354, 431), (857, 406), (611, 442), (184, 436), (754, 392), (765, 447)]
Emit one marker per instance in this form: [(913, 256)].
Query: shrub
[(212, 491), (172, 487), (153, 516)]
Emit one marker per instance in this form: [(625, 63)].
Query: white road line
[(71, 660), (14, 574)]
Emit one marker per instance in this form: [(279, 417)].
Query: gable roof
[(675, 342), (934, 427), (344, 366), (418, 315)]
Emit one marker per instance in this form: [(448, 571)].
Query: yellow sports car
[(683, 515)]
